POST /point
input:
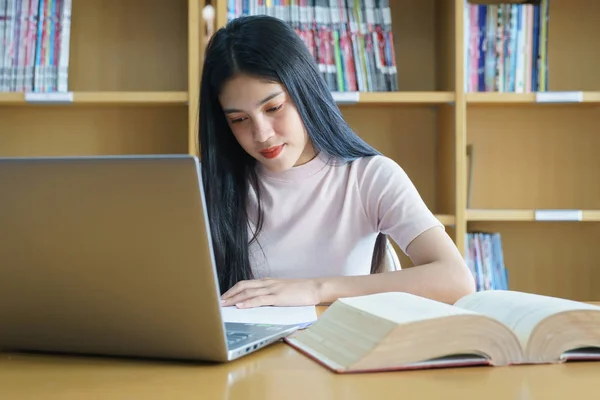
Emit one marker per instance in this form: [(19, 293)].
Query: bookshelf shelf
[(526, 98), (134, 98), (383, 98), (12, 98), (527, 215), (99, 98)]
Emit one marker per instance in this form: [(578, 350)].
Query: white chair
[(391, 261)]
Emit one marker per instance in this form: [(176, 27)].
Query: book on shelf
[(351, 40), (506, 47), (401, 331), (485, 259), (34, 45)]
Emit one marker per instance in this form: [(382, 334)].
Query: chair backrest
[(391, 261)]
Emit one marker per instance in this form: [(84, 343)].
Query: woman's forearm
[(438, 281)]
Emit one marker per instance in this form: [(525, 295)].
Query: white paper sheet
[(302, 316)]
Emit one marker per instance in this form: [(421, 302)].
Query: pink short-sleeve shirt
[(322, 218)]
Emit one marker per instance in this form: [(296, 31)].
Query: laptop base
[(243, 338)]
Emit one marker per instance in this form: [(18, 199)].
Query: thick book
[(397, 331)]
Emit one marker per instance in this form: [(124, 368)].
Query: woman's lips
[(272, 152)]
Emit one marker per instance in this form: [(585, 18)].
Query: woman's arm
[(440, 273)]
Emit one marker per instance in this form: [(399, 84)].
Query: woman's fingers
[(259, 301), (245, 295), (241, 286)]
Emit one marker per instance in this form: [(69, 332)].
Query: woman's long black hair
[(268, 48)]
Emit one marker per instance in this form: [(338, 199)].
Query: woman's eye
[(237, 120), (275, 108)]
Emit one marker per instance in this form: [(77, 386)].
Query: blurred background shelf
[(94, 98)]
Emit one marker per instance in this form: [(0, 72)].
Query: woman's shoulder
[(377, 167), (367, 169), (379, 174), (377, 161)]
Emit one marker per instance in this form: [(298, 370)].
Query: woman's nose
[(262, 131)]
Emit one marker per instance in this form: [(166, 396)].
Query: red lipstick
[(272, 152)]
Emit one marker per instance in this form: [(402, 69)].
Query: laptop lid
[(107, 255)]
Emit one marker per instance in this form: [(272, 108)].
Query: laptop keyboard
[(235, 337)]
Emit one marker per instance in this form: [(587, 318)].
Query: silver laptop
[(112, 256)]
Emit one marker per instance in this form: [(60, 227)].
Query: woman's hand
[(272, 292)]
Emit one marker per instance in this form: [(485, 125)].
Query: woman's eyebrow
[(260, 103)]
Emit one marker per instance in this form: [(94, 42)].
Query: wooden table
[(279, 372)]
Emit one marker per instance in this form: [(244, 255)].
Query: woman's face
[(265, 123)]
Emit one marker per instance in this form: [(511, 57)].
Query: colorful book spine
[(34, 45), (485, 259), (506, 47), (352, 41)]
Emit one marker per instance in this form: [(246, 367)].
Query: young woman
[(298, 204)]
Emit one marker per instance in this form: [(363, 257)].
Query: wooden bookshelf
[(536, 167), (133, 82), (134, 79)]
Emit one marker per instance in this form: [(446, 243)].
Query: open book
[(393, 331)]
